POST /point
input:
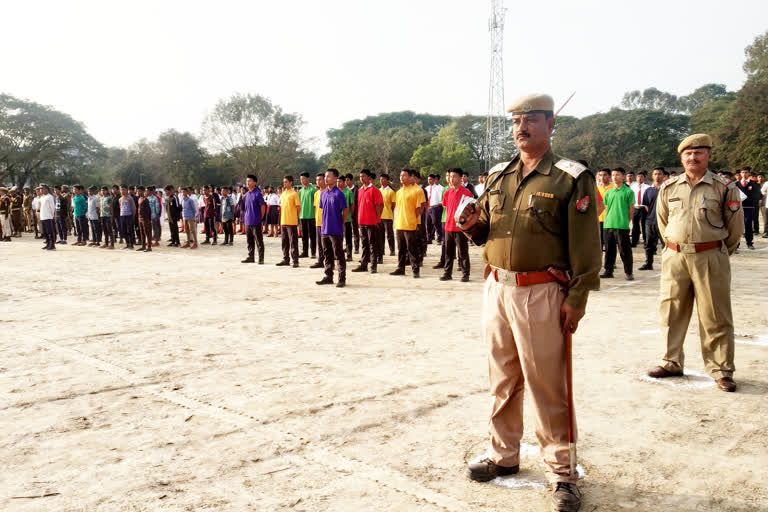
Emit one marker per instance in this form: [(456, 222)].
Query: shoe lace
[(567, 487)]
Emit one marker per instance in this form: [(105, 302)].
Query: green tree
[(629, 138), (756, 63), (39, 143), (742, 139), (443, 152), (389, 148), (701, 97), (257, 134), (650, 99), (181, 157)]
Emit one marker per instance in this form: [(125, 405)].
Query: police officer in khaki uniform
[(27, 210), (538, 221), (5, 215), (701, 220), (17, 214)]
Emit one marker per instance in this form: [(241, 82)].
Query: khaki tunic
[(688, 215), (533, 223), (708, 211)]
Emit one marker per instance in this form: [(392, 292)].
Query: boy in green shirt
[(80, 207), (348, 224), (619, 206), (307, 216)]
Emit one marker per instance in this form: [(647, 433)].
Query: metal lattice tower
[(495, 125)]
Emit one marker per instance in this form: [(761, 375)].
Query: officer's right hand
[(468, 217)]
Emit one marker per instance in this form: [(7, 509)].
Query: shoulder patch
[(724, 181), (570, 167), (669, 182), (498, 167)]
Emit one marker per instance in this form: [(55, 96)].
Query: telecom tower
[(495, 126)]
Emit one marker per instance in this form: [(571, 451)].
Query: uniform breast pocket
[(676, 207), (544, 215), (496, 200), (710, 212)]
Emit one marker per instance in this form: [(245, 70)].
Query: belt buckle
[(506, 277), (687, 248)]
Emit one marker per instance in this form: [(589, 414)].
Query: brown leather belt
[(705, 246), (521, 278)]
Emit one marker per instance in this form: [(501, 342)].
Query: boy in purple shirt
[(333, 204), (253, 208)]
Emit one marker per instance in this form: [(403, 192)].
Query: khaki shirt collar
[(544, 166), (707, 178)]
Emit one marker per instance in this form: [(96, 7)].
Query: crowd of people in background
[(312, 221), (627, 212)]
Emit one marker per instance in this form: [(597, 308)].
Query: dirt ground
[(186, 381)]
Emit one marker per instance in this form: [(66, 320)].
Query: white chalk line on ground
[(690, 380), (519, 482), (389, 478), (757, 340)]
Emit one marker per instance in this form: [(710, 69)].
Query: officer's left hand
[(570, 317)]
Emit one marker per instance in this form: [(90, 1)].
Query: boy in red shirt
[(369, 207), (454, 238)]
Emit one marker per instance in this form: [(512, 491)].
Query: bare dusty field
[(186, 381)]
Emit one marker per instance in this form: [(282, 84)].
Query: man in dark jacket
[(173, 212), (752, 190)]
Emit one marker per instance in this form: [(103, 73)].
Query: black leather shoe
[(360, 269), (647, 266), (486, 470), (398, 272), (373, 270), (445, 277), (464, 279), (296, 265), (416, 275), (439, 265), (325, 280), (341, 284), (283, 263), (317, 265), (248, 260), (565, 497), (629, 277), (726, 384), (606, 275), (660, 373)]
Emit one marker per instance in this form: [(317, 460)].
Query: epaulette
[(499, 167), (724, 181), (569, 166), (669, 182)]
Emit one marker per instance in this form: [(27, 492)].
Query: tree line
[(249, 134)]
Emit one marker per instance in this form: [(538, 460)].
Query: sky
[(133, 69)]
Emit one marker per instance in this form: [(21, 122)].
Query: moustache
[(523, 134)]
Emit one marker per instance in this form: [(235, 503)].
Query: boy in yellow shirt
[(290, 205), (408, 202)]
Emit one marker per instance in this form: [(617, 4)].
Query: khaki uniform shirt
[(546, 219), (706, 212)]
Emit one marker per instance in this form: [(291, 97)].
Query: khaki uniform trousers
[(705, 277), (522, 328)]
